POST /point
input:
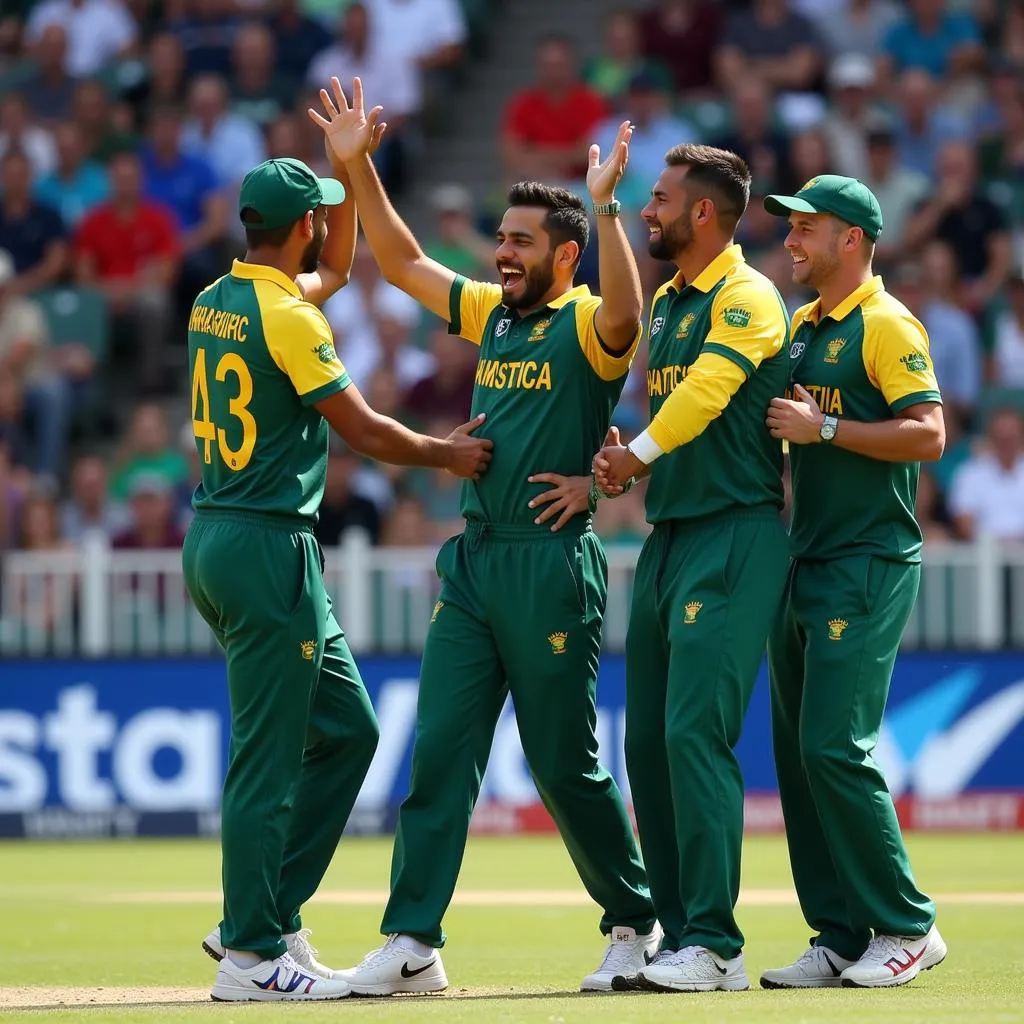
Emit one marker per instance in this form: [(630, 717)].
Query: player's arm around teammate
[(864, 413)]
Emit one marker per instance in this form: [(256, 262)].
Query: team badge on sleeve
[(325, 352), (915, 362), (736, 317)]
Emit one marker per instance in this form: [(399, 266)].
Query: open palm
[(602, 177), (349, 132)]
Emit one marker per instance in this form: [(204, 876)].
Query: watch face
[(828, 430)]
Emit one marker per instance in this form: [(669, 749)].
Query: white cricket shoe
[(818, 967), (273, 981), (695, 969), (298, 946), (894, 960), (627, 952), (393, 969)]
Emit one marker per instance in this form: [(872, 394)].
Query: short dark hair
[(566, 217), (257, 237), (723, 174)]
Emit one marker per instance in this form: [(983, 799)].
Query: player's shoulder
[(804, 312), (745, 288), (663, 290), (888, 319), (280, 305)]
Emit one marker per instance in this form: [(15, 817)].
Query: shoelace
[(378, 956), (882, 948), (811, 957), (618, 956), (302, 941)]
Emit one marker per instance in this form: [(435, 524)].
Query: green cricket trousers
[(704, 597), (520, 612), (303, 731), (831, 656)]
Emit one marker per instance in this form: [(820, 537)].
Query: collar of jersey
[(581, 291), (713, 272), (261, 272), (870, 287)]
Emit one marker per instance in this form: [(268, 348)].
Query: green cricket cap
[(846, 198), (281, 191)]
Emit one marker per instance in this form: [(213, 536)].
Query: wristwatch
[(829, 425), (608, 209)]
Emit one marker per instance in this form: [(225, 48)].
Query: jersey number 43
[(203, 425)]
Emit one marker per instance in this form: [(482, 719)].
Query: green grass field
[(128, 918)]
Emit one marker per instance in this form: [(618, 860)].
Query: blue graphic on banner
[(123, 747)]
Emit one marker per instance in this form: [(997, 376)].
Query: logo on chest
[(539, 329), (684, 326), (656, 325), (502, 327), (796, 350), (832, 350)]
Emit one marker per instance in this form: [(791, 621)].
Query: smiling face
[(667, 215), (525, 257), (814, 242)]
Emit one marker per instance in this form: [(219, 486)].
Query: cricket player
[(863, 413), (521, 605), (711, 573), (266, 382)]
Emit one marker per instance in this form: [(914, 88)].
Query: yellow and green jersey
[(259, 357), (733, 320), (866, 360), (548, 387)]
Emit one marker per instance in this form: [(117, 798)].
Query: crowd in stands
[(126, 126)]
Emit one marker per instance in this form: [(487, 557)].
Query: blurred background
[(126, 126)]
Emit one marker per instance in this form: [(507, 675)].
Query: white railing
[(93, 601)]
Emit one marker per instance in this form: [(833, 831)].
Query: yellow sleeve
[(897, 360), (607, 365), (700, 398), (300, 342), (749, 323), (469, 306)]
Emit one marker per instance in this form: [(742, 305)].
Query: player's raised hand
[(467, 455), (349, 132), (603, 176)]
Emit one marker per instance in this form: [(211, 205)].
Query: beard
[(538, 282), (818, 270), (311, 257), (675, 238)]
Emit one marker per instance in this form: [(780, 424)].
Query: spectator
[(77, 185), (343, 508), (164, 80), (648, 105), (927, 37), (206, 30), (153, 527), (954, 344), (447, 393), (392, 82), (809, 156), (106, 130), (1005, 357), (289, 136), (856, 27), (430, 34), (51, 90), (1010, 38), (40, 525), (923, 125), (12, 493), (129, 248), (44, 375), (987, 495), (682, 35), (186, 184), (899, 190), (299, 39), (352, 312), (12, 415), (456, 242), (851, 80), (622, 59), (229, 142), (407, 527), (548, 126), (32, 233), (754, 137), (961, 215), (258, 92), (89, 509), (1001, 154), (19, 134), (99, 31), (147, 450), (42, 602), (392, 345), (773, 42)]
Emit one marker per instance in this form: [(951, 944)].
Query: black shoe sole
[(213, 955)]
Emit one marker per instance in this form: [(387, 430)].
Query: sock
[(243, 958), (421, 949)]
